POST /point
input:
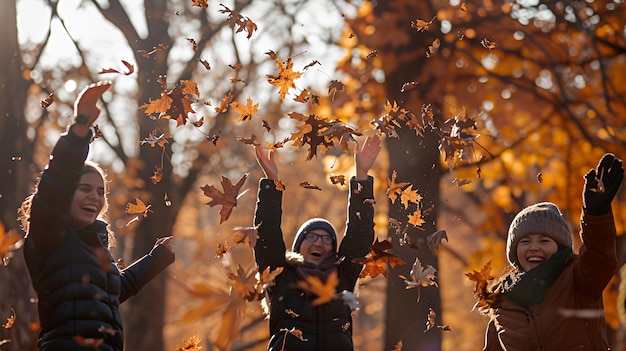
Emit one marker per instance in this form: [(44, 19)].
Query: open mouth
[(316, 253), (535, 259), (90, 209)]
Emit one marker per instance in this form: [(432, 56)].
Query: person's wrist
[(81, 119)]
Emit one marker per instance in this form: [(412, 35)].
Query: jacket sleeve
[(492, 342), (598, 257), (359, 229), (269, 250), (50, 208), (142, 271)]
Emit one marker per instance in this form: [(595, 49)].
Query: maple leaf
[(246, 234), (246, 111), (311, 132), (420, 276), (235, 19), (158, 174), (409, 195), (394, 189), (227, 199), (200, 3), (10, 320), (486, 297), (338, 179), (377, 259), (9, 241), (154, 140), (244, 284), (138, 208), (434, 239), (335, 86), (193, 344), (421, 25), (415, 218), (174, 104), (285, 76), (324, 290), (225, 102)]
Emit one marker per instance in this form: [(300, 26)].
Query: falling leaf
[(225, 102), (324, 290), (409, 195), (488, 44), (422, 25), (194, 45), (482, 278), (10, 320), (205, 63), (158, 174), (433, 48), (312, 63), (248, 141), (408, 86), (285, 76), (430, 322), (419, 276), (174, 104), (130, 69), (335, 86), (338, 179), (241, 22), (394, 189), (247, 111), (434, 239), (138, 208), (200, 3), (246, 234), (9, 241), (415, 218), (227, 199), (193, 344), (377, 259), (291, 313), (307, 185), (146, 54), (371, 54), (45, 103), (221, 249)]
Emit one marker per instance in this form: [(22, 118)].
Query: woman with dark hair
[(314, 253), (79, 287)]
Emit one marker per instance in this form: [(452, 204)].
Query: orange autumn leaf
[(422, 25), (139, 208), (394, 189), (10, 320), (285, 76), (9, 241), (246, 234), (415, 218), (175, 104), (227, 199), (193, 344), (225, 102), (486, 297), (246, 111), (324, 290), (241, 22), (200, 3), (130, 69), (378, 258), (409, 195)]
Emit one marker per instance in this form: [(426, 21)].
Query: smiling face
[(533, 249), (316, 246), (88, 201)]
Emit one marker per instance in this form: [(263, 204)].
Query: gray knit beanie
[(542, 218), (311, 224)]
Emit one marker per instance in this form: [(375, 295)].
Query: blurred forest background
[(486, 107)]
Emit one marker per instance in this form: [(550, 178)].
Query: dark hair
[(23, 212)]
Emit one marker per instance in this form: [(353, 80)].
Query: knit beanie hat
[(542, 218), (311, 224)]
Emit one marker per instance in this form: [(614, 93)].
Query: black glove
[(601, 185)]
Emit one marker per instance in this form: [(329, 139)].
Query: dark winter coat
[(571, 314), (78, 285), (327, 326)]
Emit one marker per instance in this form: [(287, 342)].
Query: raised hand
[(267, 162), (86, 109), (364, 157), (601, 185)]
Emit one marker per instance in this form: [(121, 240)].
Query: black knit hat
[(542, 218), (311, 224)]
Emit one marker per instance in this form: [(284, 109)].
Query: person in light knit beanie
[(551, 298)]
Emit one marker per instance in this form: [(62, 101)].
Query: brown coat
[(571, 314)]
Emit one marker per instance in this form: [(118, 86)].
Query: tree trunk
[(15, 184)]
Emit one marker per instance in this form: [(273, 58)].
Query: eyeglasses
[(312, 237)]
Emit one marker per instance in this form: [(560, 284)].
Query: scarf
[(529, 288), (322, 271)]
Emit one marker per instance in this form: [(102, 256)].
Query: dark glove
[(601, 185)]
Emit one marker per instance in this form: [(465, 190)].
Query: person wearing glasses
[(297, 322)]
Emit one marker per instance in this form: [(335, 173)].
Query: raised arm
[(51, 203), (269, 250), (598, 259), (360, 227)]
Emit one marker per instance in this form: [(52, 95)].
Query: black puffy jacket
[(78, 285), (327, 326)]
